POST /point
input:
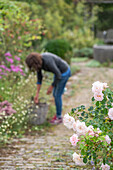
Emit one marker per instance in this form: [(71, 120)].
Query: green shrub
[(60, 47), (84, 52), (78, 59), (18, 31), (93, 63)]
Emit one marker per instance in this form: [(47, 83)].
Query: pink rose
[(105, 167), (98, 96), (74, 139)]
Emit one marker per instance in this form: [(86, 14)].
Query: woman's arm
[(37, 93)]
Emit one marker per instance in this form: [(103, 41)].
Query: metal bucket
[(37, 113)]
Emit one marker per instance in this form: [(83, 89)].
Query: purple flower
[(0, 77), (5, 102), (15, 68), (92, 163), (9, 59), (22, 74), (0, 70), (5, 74), (2, 66), (8, 54), (7, 69), (17, 58), (7, 107)]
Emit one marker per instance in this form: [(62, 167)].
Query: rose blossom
[(107, 139), (74, 126), (90, 130), (105, 85), (105, 167), (74, 139), (98, 96), (78, 160), (110, 113), (97, 87), (68, 121), (81, 128)]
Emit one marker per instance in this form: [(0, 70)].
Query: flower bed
[(93, 129)]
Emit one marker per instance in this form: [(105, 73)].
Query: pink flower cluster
[(11, 66), (105, 167), (97, 89), (6, 107)]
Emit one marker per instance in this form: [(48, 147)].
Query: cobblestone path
[(53, 150)]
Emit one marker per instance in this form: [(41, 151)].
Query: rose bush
[(93, 131)]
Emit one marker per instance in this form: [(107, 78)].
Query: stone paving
[(39, 152), (53, 150)]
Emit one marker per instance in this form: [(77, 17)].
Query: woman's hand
[(36, 99), (50, 89)]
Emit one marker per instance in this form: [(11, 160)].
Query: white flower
[(110, 113), (107, 139), (68, 121), (97, 87), (81, 128), (105, 167), (78, 160)]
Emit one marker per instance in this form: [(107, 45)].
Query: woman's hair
[(34, 60)]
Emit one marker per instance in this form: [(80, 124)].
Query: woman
[(61, 70)]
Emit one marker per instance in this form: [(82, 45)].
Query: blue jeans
[(58, 91)]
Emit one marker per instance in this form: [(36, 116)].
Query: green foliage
[(93, 63), (104, 21), (60, 47), (18, 31), (70, 21), (94, 147), (80, 37), (84, 52), (78, 59), (11, 90)]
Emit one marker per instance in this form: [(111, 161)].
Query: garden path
[(53, 150)]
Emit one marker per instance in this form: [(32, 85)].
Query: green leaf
[(97, 103), (91, 108), (89, 157), (73, 109), (83, 107), (85, 159), (93, 99), (82, 152), (82, 114), (94, 155), (80, 118)]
